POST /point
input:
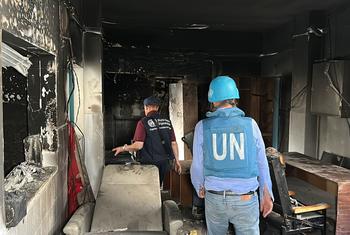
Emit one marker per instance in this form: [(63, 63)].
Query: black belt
[(230, 193)]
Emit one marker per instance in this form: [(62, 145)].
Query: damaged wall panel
[(35, 21)]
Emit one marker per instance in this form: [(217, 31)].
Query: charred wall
[(123, 105), (34, 27), (34, 21), (130, 75)]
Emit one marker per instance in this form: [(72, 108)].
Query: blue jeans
[(243, 214)]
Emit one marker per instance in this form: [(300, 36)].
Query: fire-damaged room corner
[(112, 120)]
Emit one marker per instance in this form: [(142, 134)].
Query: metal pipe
[(276, 113)]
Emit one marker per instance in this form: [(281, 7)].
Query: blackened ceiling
[(154, 31), (231, 15), (231, 23)]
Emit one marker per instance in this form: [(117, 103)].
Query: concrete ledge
[(80, 222), (172, 217)]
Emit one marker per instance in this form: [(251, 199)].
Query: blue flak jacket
[(229, 146)]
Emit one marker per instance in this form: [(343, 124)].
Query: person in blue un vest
[(229, 164)]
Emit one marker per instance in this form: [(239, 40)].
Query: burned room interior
[(74, 78)]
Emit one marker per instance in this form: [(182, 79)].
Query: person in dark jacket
[(154, 140)]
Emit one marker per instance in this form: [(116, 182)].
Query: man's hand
[(117, 150), (266, 204), (178, 168), (201, 192)]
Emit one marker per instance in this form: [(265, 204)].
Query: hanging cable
[(77, 81), (336, 90), (331, 84), (70, 68), (300, 93)]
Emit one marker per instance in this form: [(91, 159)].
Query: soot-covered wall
[(129, 77), (34, 21), (34, 25), (123, 104)]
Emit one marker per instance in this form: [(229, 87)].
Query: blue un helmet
[(222, 88)]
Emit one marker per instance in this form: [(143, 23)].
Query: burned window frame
[(41, 134)]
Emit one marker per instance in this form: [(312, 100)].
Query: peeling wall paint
[(176, 111), (35, 21), (49, 131)]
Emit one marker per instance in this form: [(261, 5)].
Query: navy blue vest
[(154, 150), (229, 145)]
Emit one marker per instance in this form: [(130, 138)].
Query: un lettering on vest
[(233, 145)]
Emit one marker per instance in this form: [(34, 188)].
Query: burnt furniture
[(128, 202), (180, 184), (328, 177), (334, 159), (290, 215)]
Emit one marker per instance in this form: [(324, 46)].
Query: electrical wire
[(87, 192), (77, 81), (336, 90), (71, 92), (326, 72), (300, 93), (331, 84), (81, 132), (71, 70)]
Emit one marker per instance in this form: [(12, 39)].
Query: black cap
[(151, 101)]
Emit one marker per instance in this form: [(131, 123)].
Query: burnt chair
[(289, 215)]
